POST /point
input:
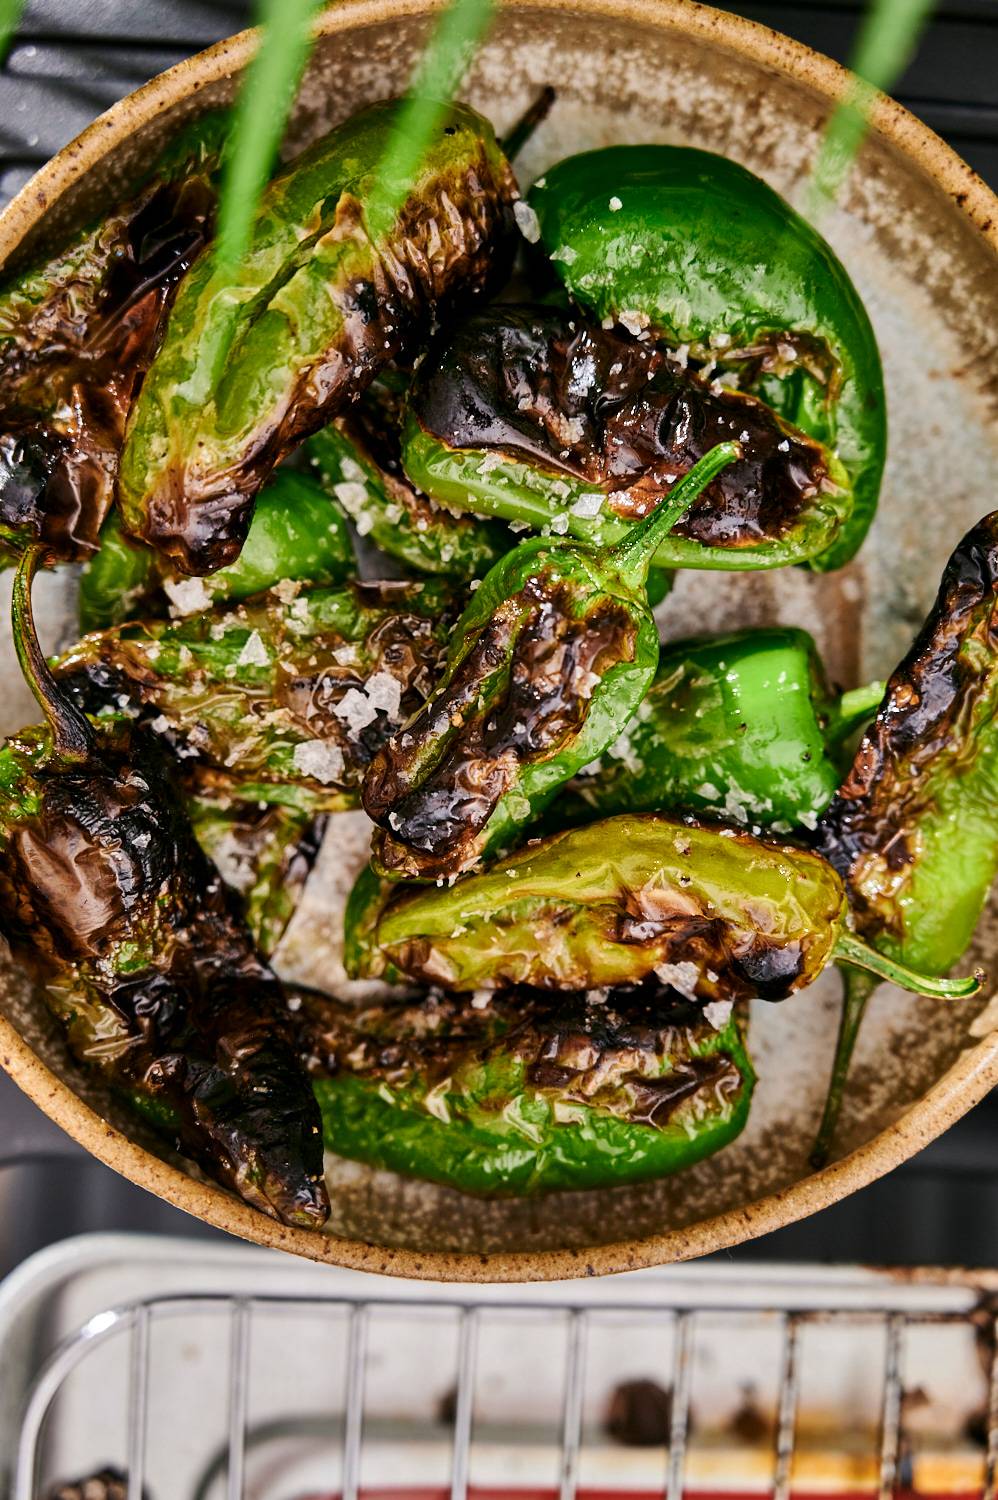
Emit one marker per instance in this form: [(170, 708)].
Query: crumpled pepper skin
[(914, 828), (283, 698), (322, 301), (140, 954), (527, 1092), (544, 418), (548, 662), (701, 253), (77, 333)]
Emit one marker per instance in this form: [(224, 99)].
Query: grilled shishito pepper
[(539, 417), (744, 725), (284, 698), (106, 894), (76, 335), (532, 1092), (708, 258), (914, 829), (358, 460), (715, 914), (322, 301), (550, 659), (296, 533)]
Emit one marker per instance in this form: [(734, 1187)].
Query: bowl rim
[(970, 1076)]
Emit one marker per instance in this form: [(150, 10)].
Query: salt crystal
[(385, 692), (717, 1013), (527, 221), (254, 653), (188, 596), (588, 506), (320, 760), (356, 710)]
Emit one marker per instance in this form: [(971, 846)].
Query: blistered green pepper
[(714, 913), (254, 361), (744, 725), (914, 829), (142, 959), (281, 699), (296, 534), (550, 421), (701, 253), (527, 1092), (357, 457), (549, 660), (77, 333)]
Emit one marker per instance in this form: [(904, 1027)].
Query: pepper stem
[(535, 114), (853, 950), (853, 709), (71, 736), (633, 556), (857, 987)]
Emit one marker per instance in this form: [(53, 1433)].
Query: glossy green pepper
[(714, 913), (283, 698), (528, 1092), (357, 459), (744, 725), (914, 829), (553, 422), (704, 255), (549, 661), (322, 301), (77, 333), (296, 533), (107, 898)]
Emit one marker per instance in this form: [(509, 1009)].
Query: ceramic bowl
[(919, 234)]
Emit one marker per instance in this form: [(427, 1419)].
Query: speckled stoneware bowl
[(919, 233)]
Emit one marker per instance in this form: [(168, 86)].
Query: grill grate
[(70, 62), (238, 1321)]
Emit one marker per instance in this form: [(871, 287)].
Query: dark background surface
[(73, 58)]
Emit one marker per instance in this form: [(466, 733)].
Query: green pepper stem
[(633, 556), (853, 950), (857, 987), (535, 114), (853, 709), (71, 736)]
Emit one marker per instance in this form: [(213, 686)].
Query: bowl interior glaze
[(917, 231)]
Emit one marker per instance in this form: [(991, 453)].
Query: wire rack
[(232, 1324)]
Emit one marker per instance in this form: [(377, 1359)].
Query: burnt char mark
[(443, 251), (106, 893), (536, 664), (74, 365), (601, 1048), (773, 970), (612, 410), (924, 727)]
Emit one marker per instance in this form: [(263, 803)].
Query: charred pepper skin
[(76, 336), (707, 256), (269, 700), (549, 661), (536, 1093), (540, 417), (914, 828), (106, 895), (714, 913), (357, 458), (296, 533), (323, 301), (743, 725)]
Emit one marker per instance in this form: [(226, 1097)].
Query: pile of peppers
[(378, 519)]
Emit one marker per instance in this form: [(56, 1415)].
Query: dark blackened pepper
[(105, 892)]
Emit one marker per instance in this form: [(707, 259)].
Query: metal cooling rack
[(236, 1321)]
